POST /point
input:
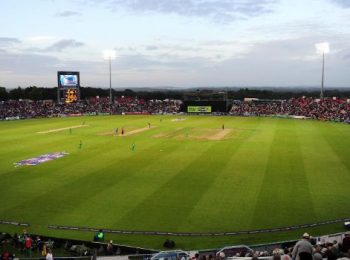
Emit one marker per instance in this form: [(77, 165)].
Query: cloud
[(344, 54), (342, 3), (27, 63), (218, 10), (67, 14), (64, 44), (291, 62), (170, 48), (57, 46), (143, 62), (347, 57), (151, 48), (40, 39), (7, 41)]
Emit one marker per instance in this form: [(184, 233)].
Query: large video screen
[(199, 109), (68, 79)]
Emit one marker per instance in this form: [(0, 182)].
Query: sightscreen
[(199, 109), (197, 106)]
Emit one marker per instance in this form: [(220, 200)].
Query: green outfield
[(183, 174)]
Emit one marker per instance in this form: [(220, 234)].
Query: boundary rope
[(233, 233)]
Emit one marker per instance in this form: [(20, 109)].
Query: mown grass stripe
[(285, 189), (188, 186), (325, 169)]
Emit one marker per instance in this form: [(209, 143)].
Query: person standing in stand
[(28, 243), (303, 249), (346, 242), (49, 255)]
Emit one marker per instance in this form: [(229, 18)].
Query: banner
[(12, 118), (41, 159)]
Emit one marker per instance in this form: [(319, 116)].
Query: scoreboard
[(68, 79), (71, 96), (68, 86)]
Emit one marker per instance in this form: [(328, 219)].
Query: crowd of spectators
[(307, 248), (47, 108), (134, 105), (310, 249), (328, 109), (24, 244)]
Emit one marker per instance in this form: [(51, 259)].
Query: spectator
[(99, 236), (332, 253), (286, 254), (110, 248), (38, 244), (346, 256), (317, 253), (303, 249), (28, 246), (345, 245), (276, 257), (6, 256), (49, 255)]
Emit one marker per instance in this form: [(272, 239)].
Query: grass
[(265, 173)]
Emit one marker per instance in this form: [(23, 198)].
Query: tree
[(36, 94), (16, 93), (3, 94)]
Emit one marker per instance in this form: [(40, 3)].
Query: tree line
[(39, 93)]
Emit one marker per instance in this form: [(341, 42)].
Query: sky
[(177, 43)]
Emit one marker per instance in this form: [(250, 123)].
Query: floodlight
[(322, 47), (109, 54)]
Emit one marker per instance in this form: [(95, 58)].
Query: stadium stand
[(23, 109), (328, 109), (331, 247)]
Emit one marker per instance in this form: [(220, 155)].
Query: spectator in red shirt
[(28, 246)]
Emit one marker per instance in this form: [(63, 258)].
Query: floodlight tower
[(110, 55), (322, 48)]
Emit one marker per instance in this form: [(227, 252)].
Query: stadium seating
[(23, 109), (329, 109)]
